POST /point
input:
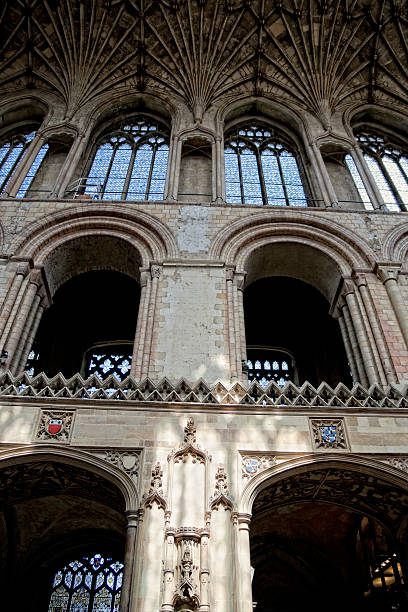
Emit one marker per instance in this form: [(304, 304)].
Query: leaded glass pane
[(397, 177), (117, 175), (272, 178), (99, 169), (25, 185), (103, 364), (143, 159), (382, 185), (266, 184), (90, 585), (275, 367), (3, 152), (10, 163), (140, 173), (358, 182)]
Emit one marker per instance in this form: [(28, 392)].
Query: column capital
[(387, 272), (156, 270)]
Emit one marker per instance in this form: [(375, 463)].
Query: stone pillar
[(32, 332), (168, 573), (32, 315), (362, 378), (385, 365), (169, 182), (138, 345), (204, 575), (151, 319), (25, 306), (24, 166), (129, 561), (11, 297), (389, 277), (361, 334), (367, 178), (176, 161), (329, 195), (219, 171), (69, 166), (231, 322), (244, 599), (239, 279), (347, 345)]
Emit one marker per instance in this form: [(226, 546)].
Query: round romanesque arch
[(319, 520)]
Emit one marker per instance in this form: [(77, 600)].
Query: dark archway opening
[(289, 317), (97, 307), (314, 547)]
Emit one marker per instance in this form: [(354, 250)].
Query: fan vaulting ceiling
[(315, 55)]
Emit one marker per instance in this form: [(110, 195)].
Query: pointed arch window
[(131, 163), (88, 584), (388, 164), (261, 168), (12, 154)]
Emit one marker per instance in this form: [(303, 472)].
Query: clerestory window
[(265, 365), (89, 584), (388, 164), (130, 163), (12, 154), (261, 168)]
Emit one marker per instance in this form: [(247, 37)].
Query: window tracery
[(12, 153), (92, 584), (265, 365), (388, 164), (131, 163), (261, 168)]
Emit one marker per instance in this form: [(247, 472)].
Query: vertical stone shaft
[(138, 345), (10, 299), (362, 378), (347, 346), (231, 323), (389, 277), (362, 339), (129, 561), (15, 361), (244, 600)]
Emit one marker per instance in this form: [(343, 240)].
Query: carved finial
[(190, 432), (221, 492)]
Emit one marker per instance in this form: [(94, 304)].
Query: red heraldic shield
[(54, 426)]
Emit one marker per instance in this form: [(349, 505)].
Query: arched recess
[(56, 505), (321, 254), (78, 242), (327, 520)]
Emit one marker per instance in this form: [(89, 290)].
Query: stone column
[(32, 315), (169, 182), (11, 297), (168, 573), (130, 559), (69, 166), (361, 334), (361, 378), (347, 345), (244, 599), (32, 332), (138, 345), (204, 575), (151, 319), (231, 322), (21, 171), (14, 336), (219, 170), (176, 161), (367, 178), (329, 195), (389, 277), (239, 279), (385, 362)]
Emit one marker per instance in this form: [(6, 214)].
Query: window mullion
[(149, 180), (282, 180), (14, 166), (241, 183), (261, 178), (391, 184), (129, 173), (115, 148)]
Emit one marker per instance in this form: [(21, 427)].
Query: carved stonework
[(328, 434), (190, 447), (253, 464), (401, 463), (55, 425), (128, 461), (187, 593), (155, 493), (221, 492)]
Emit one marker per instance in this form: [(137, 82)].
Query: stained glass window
[(12, 154), (388, 164), (265, 365), (261, 168), (88, 584), (131, 163)]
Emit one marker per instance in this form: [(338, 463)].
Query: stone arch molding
[(237, 241), (372, 469), (152, 239), (395, 246), (75, 458)]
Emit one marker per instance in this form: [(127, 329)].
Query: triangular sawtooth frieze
[(290, 396)]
